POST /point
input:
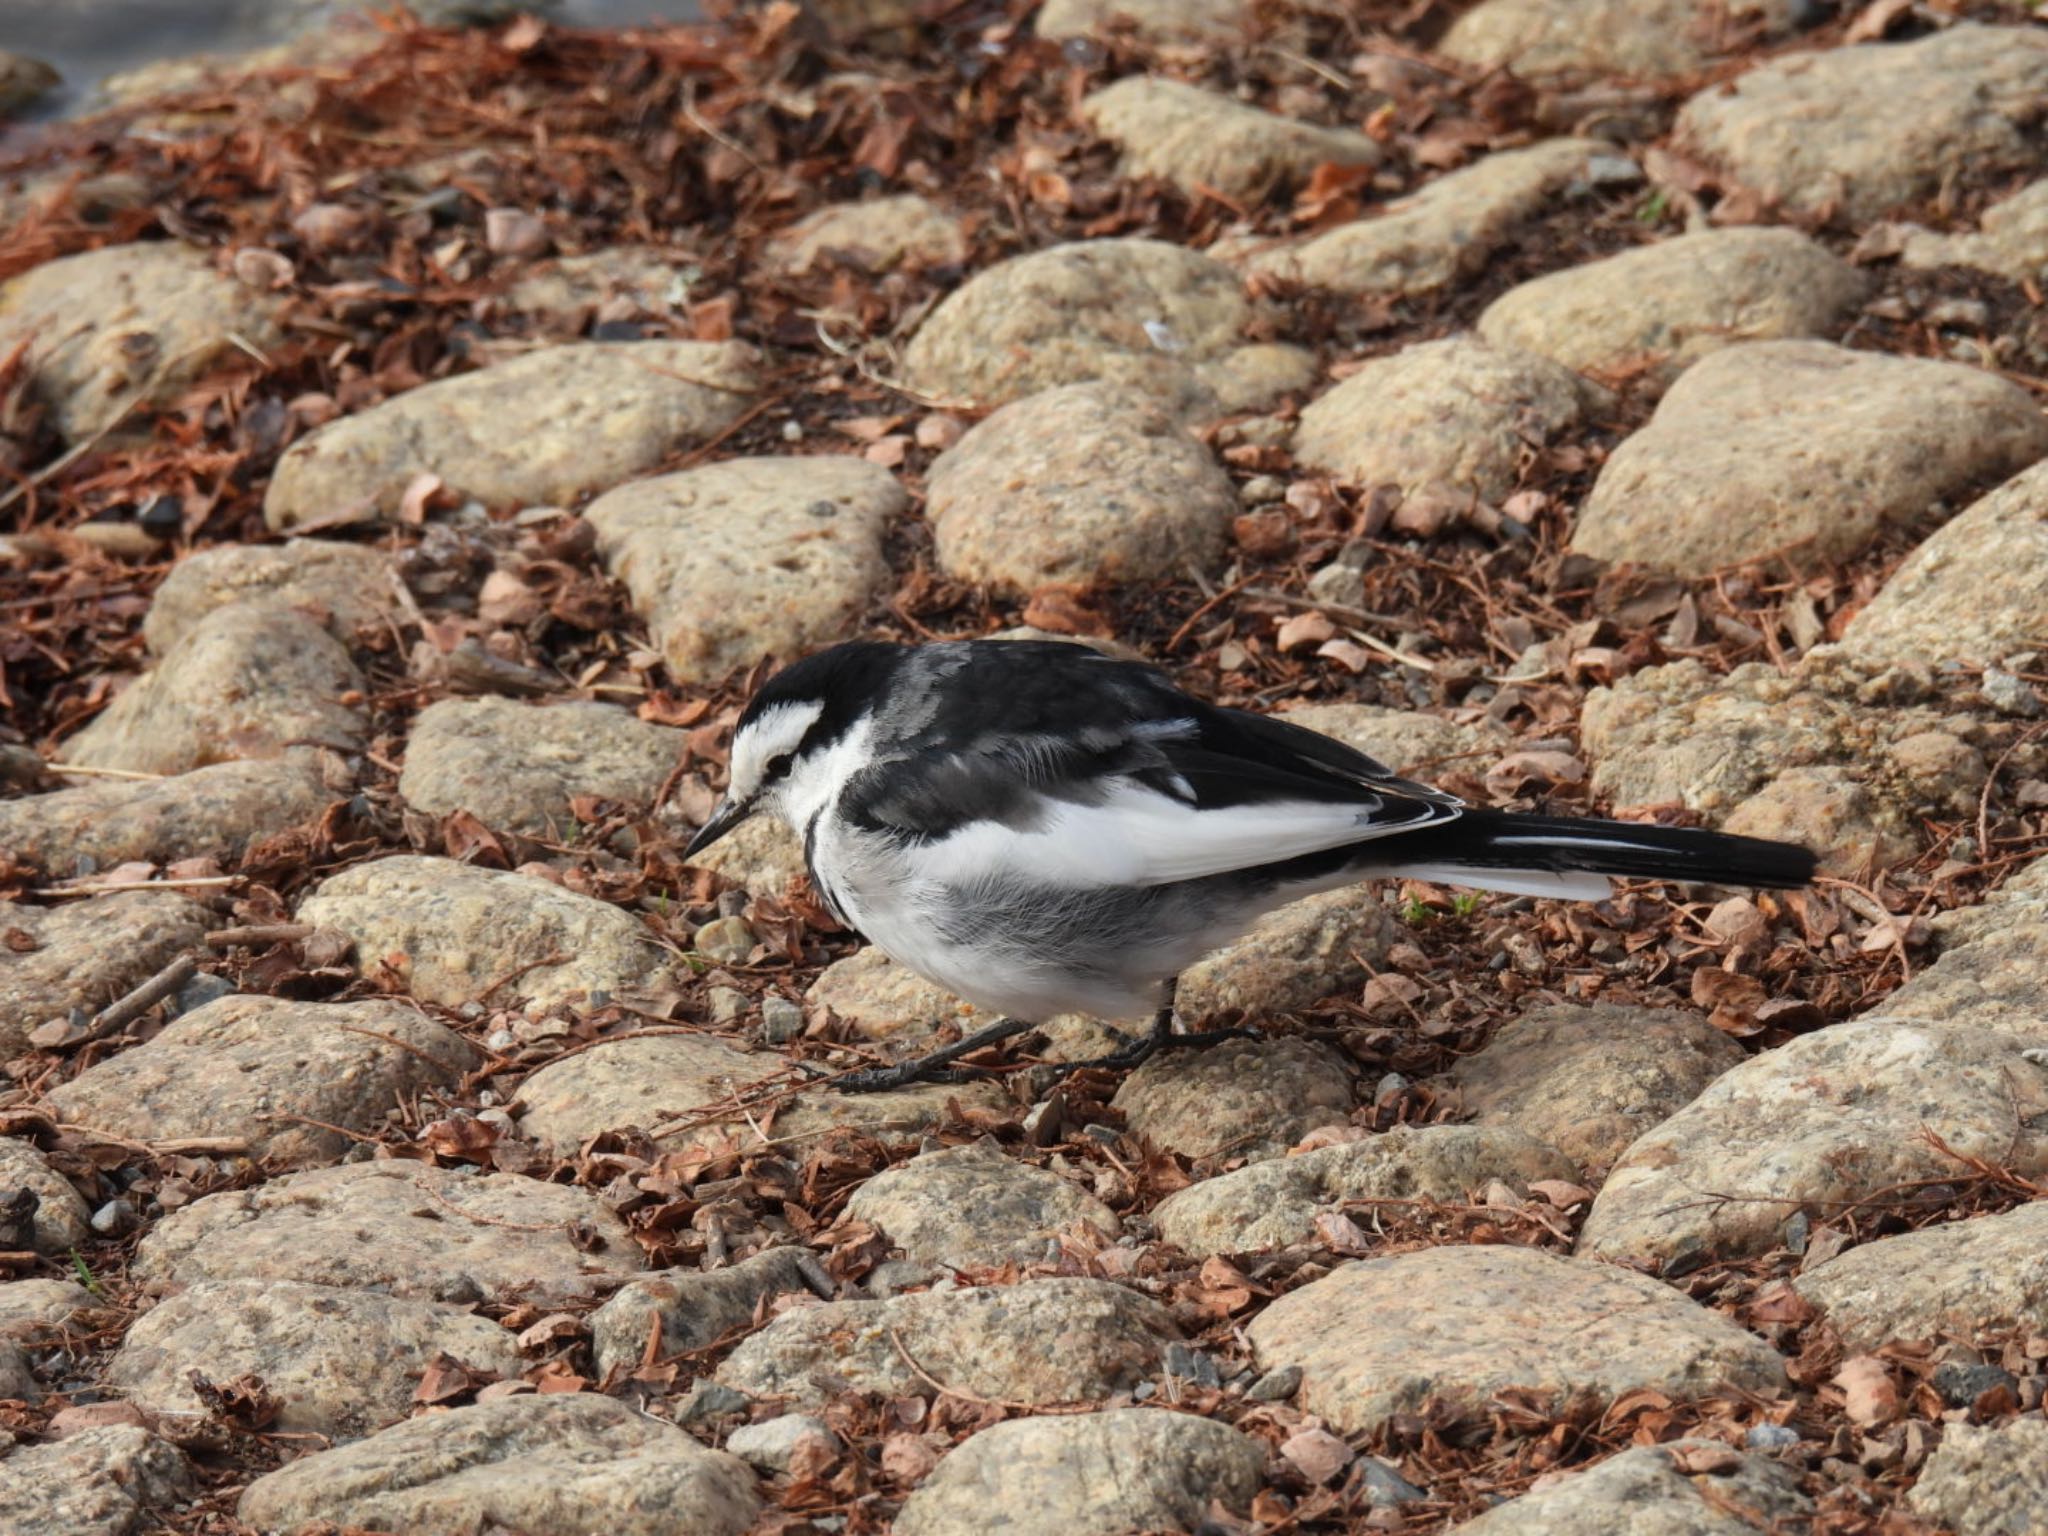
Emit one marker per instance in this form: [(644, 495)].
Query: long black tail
[(1565, 855)]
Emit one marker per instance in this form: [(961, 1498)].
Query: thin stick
[(197, 883), (87, 771), (258, 933), (124, 1011), (965, 1396), (188, 1145)]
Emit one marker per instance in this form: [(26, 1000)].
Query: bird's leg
[(1160, 1037), (931, 1067)]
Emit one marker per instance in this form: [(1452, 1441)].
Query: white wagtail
[(1042, 830)]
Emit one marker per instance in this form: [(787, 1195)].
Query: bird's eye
[(778, 767)]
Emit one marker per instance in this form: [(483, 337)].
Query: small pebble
[(1384, 1488), (727, 940), (2008, 694), (727, 1004), (1261, 489), (1275, 1385), (708, 1399), (113, 1218), (1962, 1382), (781, 1020), (776, 1443), (1197, 1366), (1771, 1437)]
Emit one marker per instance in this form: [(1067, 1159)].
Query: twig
[(427, 1056), (87, 771), (176, 1146), (320, 1125), (965, 1396), (1333, 610), (258, 933), (86, 888), (1991, 778), (125, 1010)]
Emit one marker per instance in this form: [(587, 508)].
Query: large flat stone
[(85, 954), (352, 589), (1274, 1203), (973, 1207), (61, 1214), (547, 427), (1987, 1482), (1683, 1488), (1805, 449), (547, 1465), (405, 1228), (750, 558), (1041, 1341), (1638, 38), (689, 1308), (2011, 239), (31, 1310), (874, 236), (275, 1072), (1384, 1336), (1247, 1099), (452, 933), (339, 1362), (1168, 21), (116, 1480), (1204, 142), (1988, 1274)]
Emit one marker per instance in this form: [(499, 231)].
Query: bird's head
[(790, 739)]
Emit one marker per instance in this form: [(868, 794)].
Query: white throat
[(817, 779)]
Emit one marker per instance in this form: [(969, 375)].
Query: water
[(87, 40)]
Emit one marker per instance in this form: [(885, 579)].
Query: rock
[(693, 1308), (439, 1235), (17, 1379), (1274, 1203), (778, 1444), (761, 856), (242, 683), (1816, 1124), (1973, 591), (1037, 1342), (1140, 316), (349, 588), (750, 558), (116, 1480), (564, 293), (873, 237), (338, 1362), (23, 82), (1962, 1278), (267, 1069), (1441, 232), (217, 812), (1084, 484), (1383, 1336), (1162, 21), (1249, 1099), (1682, 1488), (452, 933), (1988, 1482), (161, 316), (31, 1310), (1406, 740), (544, 428), (972, 1207), (1802, 754), (2012, 239), (558, 1464), (1093, 1474), (1590, 1080), (61, 1215), (1802, 447), (1203, 142), (518, 767), (1665, 306), (1644, 39), (1902, 117), (87, 953), (1457, 413)]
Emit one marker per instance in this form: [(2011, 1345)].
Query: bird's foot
[(933, 1066), (1146, 1046)]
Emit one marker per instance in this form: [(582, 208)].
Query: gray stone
[(1442, 231), (544, 428), (275, 1072), (1984, 1275), (1817, 1124), (452, 933), (338, 1362), (1406, 740), (243, 683), (1663, 307), (2011, 239), (440, 1235), (750, 558), (23, 82), (775, 1445), (692, 1308), (1167, 21), (1141, 316), (61, 1216), (116, 1480), (1974, 590), (564, 293), (1458, 1324), (1682, 1488), (1589, 1080), (1642, 39), (1082, 483), (1202, 141), (352, 589), (1274, 1203), (161, 315), (1902, 118), (1249, 1099), (518, 766), (1987, 1482), (1037, 1342), (1802, 448), (875, 236), (972, 1207), (1459, 414), (87, 953), (217, 812), (17, 1380), (546, 1465), (1092, 1474), (32, 1310)]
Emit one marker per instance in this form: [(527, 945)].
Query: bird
[(1040, 828)]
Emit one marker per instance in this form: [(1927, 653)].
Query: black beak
[(724, 817)]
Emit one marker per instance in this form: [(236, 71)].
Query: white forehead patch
[(769, 735)]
